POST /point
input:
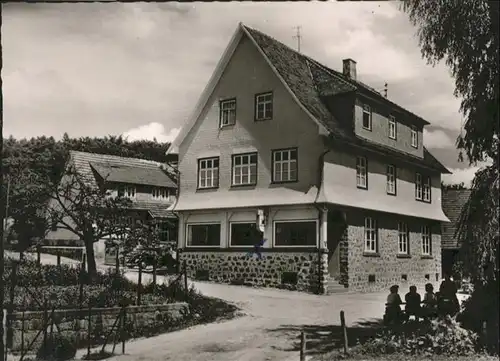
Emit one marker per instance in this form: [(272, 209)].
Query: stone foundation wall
[(386, 265), (236, 267), (73, 324)]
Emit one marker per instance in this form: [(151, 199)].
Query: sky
[(138, 69)]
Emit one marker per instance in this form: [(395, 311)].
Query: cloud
[(437, 139), (464, 175), (152, 131)]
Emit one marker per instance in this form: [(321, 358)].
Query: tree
[(466, 34), (78, 204)]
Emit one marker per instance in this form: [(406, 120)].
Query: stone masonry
[(237, 267)]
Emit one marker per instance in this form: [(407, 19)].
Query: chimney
[(349, 68)]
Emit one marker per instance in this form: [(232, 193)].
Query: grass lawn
[(398, 357)]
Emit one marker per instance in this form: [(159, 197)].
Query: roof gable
[(452, 202)]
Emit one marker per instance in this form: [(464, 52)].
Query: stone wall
[(73, 323), (236, 267), (386, 265)]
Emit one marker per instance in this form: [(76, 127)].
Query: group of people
[(444, 302)]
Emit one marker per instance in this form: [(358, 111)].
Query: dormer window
[(367, 117), (127, 191), (414, 137), (160, 193)]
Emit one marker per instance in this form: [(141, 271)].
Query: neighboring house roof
[(307, 82), (452, 201)]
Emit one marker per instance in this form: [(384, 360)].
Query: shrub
[(439, 336), (57, 348)]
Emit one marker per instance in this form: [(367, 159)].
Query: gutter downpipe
[(321, 249)]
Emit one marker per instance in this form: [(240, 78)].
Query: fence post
[(302, 346), (124, 318), (139, 285), (184, 265), (58, 258), (117, 260), (45, 322), (10, 309), (154, 273), (89, 329), (21, 255), (38, 251), (344, 331), (84, 261)]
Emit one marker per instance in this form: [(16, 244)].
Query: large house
[(334, 174), (149, 186), (454, 201)]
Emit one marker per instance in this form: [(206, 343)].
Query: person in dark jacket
[(413, 301), (448, 291)]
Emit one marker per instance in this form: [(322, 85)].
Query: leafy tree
[(466, 35)]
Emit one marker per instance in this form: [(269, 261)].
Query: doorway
[(336, 228)]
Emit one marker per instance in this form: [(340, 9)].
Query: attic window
[(160, 193), (126, 191), (367, 117), (264, 106)]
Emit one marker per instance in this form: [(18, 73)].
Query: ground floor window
[(295, 233), (203, 234), (244, 234)]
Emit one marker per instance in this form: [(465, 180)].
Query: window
[(264, 106), (403, 238), (160, 193), (427, 189), (371, 235), (367, 117), (426, 241), (418, 186), (361, 174), (244, 169), (126, 191), (208, 173), (391, 179), (203, 235), (392, 127), (285, 165), (164, 233), (295, 233), (244, 234), (227, 112), (414, 136)]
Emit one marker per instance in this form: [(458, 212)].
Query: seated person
[(429, 302), (392, 307), (412, 300)]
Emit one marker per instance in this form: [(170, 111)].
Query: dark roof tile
[(452, 201)]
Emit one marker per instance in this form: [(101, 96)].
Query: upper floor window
[(285, 165), (208, 173), (426, 241), (392, 127), (414, 136), (426, 189), (367, 117), (391, 179), (160, 193), (371, 235), (403, 238), (361, 173), (244, 169), (418, 186), (227, 112), (264, 106), (127, 191)]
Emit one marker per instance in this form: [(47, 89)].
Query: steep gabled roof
[(452, 202), (308, 82)]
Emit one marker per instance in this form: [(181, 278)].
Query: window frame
[(160, 198), (426, 189), (414, 136), (188, 245), (367, 110), (360, 167), (316, 223), (372, 228), (125, 188), (394, 175), (427, 234), (289, 162), (392, 125), (403, 238), (213, 169), (248, 167), (231, 233), (257, 102), (418, 186), (222, 111)]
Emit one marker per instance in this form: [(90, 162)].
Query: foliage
[(57, 348), (436, 337), (458, 186)]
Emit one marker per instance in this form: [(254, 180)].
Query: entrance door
[(336, 227)]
